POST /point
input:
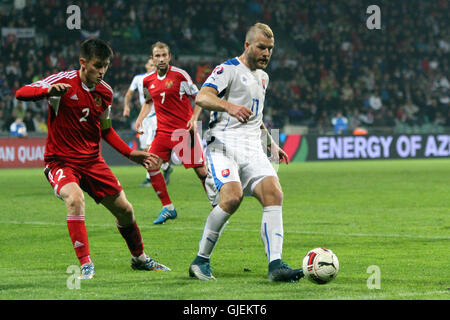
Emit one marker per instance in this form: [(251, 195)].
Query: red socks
[(78, 234), (159, 184), (133, 238)]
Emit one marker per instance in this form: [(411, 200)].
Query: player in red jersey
[(79, 106), (171, 90)]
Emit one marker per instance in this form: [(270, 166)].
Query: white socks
[(215, 223), (272, 232)]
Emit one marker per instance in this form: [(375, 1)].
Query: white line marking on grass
[(233, 229)]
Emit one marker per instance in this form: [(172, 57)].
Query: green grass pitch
[(391, 214)]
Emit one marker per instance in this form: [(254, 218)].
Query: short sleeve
[(135, 83), (220, 78)]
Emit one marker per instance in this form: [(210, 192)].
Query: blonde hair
[(160, 45), (258, 27)]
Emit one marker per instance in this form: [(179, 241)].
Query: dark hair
[(95, 48)]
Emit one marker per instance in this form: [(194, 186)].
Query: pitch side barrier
[(29, 152), (366, 147)]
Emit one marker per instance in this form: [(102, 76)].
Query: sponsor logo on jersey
[(218, 70), (225, 173), (244, 80)]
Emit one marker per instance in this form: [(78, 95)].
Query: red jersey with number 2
[(170, 95), (74, 119)]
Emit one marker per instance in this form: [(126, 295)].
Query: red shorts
[(94, 177), (180, 142)]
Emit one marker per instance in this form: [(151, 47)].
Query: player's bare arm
[(58, 89), (126, 107), (207, 99), (274, 148), (192, 124), (145, 110), (149, 161)]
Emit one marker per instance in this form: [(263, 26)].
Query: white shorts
[(149, 127), (247, 168)]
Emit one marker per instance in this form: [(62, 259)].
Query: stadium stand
[(326, 61)]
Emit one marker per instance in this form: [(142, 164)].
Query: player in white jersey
[(146, 127), (237, 163)]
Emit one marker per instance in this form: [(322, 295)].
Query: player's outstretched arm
[(207, 99), (38, 91), (146, 159)]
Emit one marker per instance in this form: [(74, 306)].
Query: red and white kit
[(72, 152), (171, 95)]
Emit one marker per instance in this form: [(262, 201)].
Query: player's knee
[(277, 196), (124, 213), (75, 203), (126, 209), (231, 203)]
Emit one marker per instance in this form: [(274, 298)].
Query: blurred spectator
[(28, 121), (340, 123), (375, 101), (40, 124), (18, 128), (411, 111), (318, 66), (295, 115)]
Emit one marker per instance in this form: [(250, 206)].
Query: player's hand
[(138, 126), (58, 89), (239, 112), (192, 125), (278, 154), (126, 111), (148, 160)]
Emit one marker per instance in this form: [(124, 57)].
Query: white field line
[(234, 229)]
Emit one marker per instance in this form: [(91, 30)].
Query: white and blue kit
[(234, 151), (149, 124)]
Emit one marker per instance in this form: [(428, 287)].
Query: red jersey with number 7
[(170, 95), (74, 119)]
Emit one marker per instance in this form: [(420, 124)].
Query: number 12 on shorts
[(255, 104)]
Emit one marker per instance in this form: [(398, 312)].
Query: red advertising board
[(22, 152)]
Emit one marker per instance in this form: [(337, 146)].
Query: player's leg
[(65, 183), (230, 199), (225, 193), (269, 193), (122, 209), (161, 147), (145, 141), (193, 156), (202, 173), (73, 197)]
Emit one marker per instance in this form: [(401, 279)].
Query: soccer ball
[(320, 265)]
